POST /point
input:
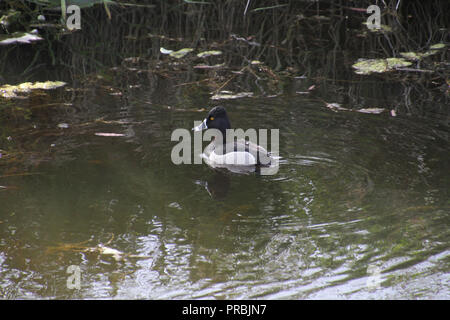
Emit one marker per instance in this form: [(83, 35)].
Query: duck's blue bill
[(201, 126)]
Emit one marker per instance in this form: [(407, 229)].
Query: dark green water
[(359, 208)]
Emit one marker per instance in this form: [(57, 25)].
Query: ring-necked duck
[(238, 155)]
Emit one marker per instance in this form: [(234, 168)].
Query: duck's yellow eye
[(211, 118)]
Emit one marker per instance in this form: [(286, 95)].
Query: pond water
[(358, 209)]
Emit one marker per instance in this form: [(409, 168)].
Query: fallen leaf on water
[(63, 125), (336, 107), (18, 37), (205, 66), (412, 55), (437, 46), (108, 134), (101, 249), (368, 66), (205, 54), (165, 51), (180, 53), (12, 91), (222, 95), (98, 249), (371, 110), (382, 28)]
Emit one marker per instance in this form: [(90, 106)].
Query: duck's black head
[(217, 119)]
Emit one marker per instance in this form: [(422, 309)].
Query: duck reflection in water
[(217, 185)]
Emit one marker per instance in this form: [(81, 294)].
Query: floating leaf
[(10, 91), (412, 55), (165, 51), (368, 66), (205, 54), (101, 249), (205, 66), (47, 85), (437, 46), (397, 63), (430, 53), (417, 56), (18, 37), (63, 125), (371, 110), (181, 53), (228, 95), (107, 134), (385, 28), (336, 107)]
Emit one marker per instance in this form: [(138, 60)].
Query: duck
[(238, 155)]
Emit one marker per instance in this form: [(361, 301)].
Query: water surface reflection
[(354, 192)]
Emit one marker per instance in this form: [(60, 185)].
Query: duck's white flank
[(237, 158)]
